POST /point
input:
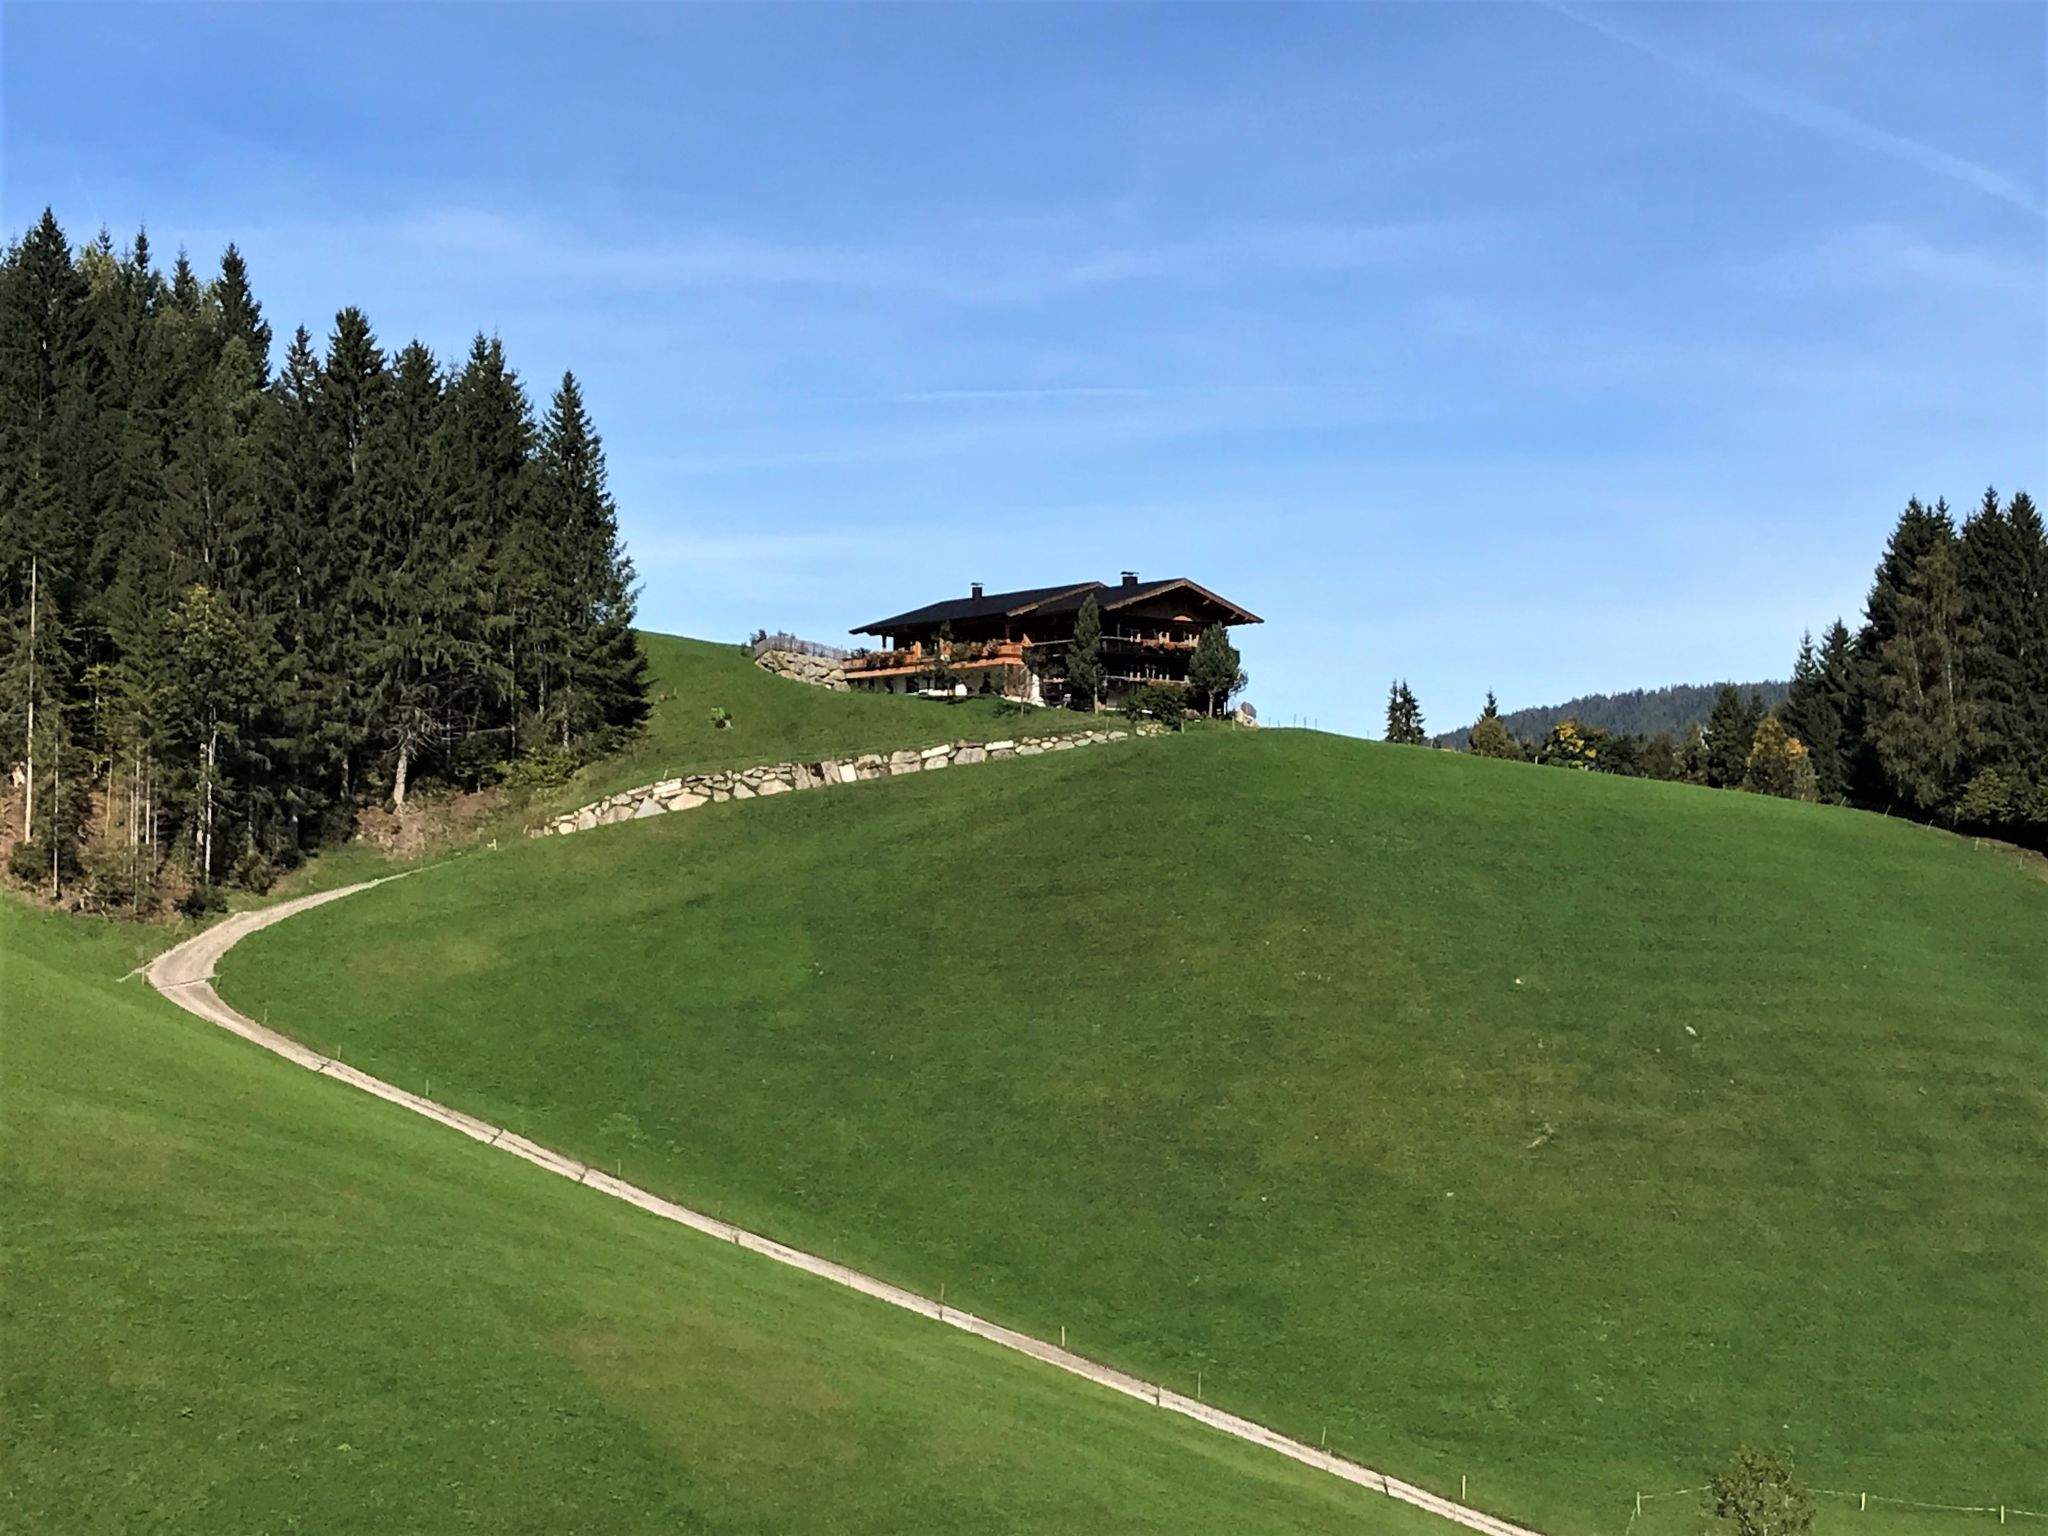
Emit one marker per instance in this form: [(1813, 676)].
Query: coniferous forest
[(1937, 707), (243, 605)]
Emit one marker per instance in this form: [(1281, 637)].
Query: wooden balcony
[(964, 656)]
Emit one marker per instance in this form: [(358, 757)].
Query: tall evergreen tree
[(240, 314), (1404, 716), (1727, 739), (228, 605), (592, 675), (1085, 672), (422, 651), (1915, 715), (487, 445)]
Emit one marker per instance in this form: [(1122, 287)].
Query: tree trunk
[(28, 796), (398, 777)]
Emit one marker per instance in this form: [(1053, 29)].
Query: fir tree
[(1085, 671), (1728, 734), (1404, 716), (240, 315), (1915, 715), (598, 674)]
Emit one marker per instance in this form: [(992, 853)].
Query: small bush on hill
[(1164, 702), (1759, 1494)]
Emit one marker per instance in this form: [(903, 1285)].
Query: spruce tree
[(1916, 714), (1404, 716), (412, 645), (1727, 739), (486, 445), (239, 313), (1085, 671), (598, 673), (2030, 642)]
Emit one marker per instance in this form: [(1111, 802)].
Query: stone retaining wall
[(801, 667), (692, 790)]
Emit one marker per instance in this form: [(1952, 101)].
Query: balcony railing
[(960, 654)]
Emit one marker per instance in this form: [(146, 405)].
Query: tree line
[(1642, 712), (241, 607), (1935, 707)]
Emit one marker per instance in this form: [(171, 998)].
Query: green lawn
[(1556, 1131), (238, 1298), (776, 720)]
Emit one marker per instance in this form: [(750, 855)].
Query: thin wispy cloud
[(1031, 392), (956, 265), (1795, 107)]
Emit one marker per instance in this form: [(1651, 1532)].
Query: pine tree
[(486, 447), (1085, 671), (240, 315), (598, 675), (226, 602), (420, 651), (1916, 715), (1404, 716), (2030, 640), (1215, 671), (1727, 739)]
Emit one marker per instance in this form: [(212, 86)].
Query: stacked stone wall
[(688, 791), (802, 667)]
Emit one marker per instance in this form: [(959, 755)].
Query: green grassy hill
[(1552, 1130), (238, 1298), (776, 720)]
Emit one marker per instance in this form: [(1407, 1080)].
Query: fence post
[(1461, 1487), (1639, 1502)]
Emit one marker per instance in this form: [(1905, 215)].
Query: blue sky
[(1538, 347)]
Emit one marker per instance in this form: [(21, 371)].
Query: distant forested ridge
[(237, 607), (1639, 712), (1936, 707)]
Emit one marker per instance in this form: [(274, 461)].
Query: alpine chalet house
[(1014, 642)]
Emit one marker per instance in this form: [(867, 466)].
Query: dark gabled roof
[(1111, 598), (990, 605), (1064, 599)]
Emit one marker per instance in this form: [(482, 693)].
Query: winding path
[(185, 975)]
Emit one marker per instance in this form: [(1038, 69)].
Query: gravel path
[(185, 976)]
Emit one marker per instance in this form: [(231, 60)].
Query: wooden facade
[(1013, 641)]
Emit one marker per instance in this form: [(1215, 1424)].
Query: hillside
[(776, 720), (1551, 1130), (1640, 711), (235, 1297)]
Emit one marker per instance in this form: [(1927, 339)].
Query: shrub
[(721, 719), (1760, 1495), (29, 863), (1489, 738), (1164, 702), (202, 901), (539, 768), (1778, 764)]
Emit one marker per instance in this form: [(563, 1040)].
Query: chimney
[(1130, 578), (975, 590)]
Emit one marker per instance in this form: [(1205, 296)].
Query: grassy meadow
[(1554, 1131), (775, 720), (238, 1298)]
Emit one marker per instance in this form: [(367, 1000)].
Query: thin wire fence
[(1861, 1502), (781, 640)]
